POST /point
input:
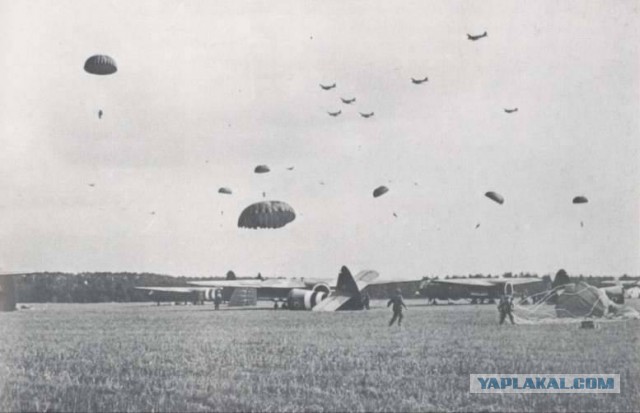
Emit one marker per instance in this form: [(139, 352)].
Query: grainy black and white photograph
[(319, 206)]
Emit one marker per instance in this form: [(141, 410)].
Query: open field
[(139, 357)]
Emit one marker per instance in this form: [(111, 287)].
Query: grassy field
[(139, 357)]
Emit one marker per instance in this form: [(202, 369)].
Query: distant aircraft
[(334, 114), (100, 114), (92, 185), (477, 290), (511, 110), (473, 38), (309, 293), (419, 81), (395, 215), (290, 168), (348, 101), (327, 87), (615, 289), (366, 115), (477, 225), (196, 295)]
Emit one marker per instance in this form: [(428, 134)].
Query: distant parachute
[(379, 191), (100, 65), (261, 169), (225, 190), (580, 200), (267, 214), (495, 197)]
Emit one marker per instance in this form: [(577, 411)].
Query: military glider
[(311, 293), (477, 290)]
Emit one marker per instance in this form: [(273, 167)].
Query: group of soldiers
[(505, 308)]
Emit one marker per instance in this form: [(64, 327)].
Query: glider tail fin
[(346, 283)]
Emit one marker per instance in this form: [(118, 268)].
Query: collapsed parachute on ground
[(580, 200), (261, 169), (581, 300), (495, 197), (379, 191), (100, 65), (225, 190), (267, 214), (573, 302)]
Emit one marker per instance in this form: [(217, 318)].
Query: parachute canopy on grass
[(267, 214), (261, 169), (379, 191), (580, 299), (225, 190), (580, 200), (100, 65), (494, 196)]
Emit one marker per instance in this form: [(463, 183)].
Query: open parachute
[(379, 191), (267, 214), (100, 65), (494, 196)]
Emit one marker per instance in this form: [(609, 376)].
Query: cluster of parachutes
[(496, 197), (267, 214), (277, 214)]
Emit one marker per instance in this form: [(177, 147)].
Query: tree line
[(96, 287)]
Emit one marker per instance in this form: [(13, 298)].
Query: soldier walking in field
[(504, 307), (398, 305), (217, 299), (365, 300)]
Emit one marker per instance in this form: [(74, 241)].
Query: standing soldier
[(398, 304), (365, 300), (217, 300), (505, 306)]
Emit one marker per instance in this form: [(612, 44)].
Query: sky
[(205, 91)]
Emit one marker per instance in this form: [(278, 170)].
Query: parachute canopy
[(572, 303), (100, 65), (580, 200), (495, 197), (267, 214), (261, 169), (379, 191), (581, 300), (224, 190)]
